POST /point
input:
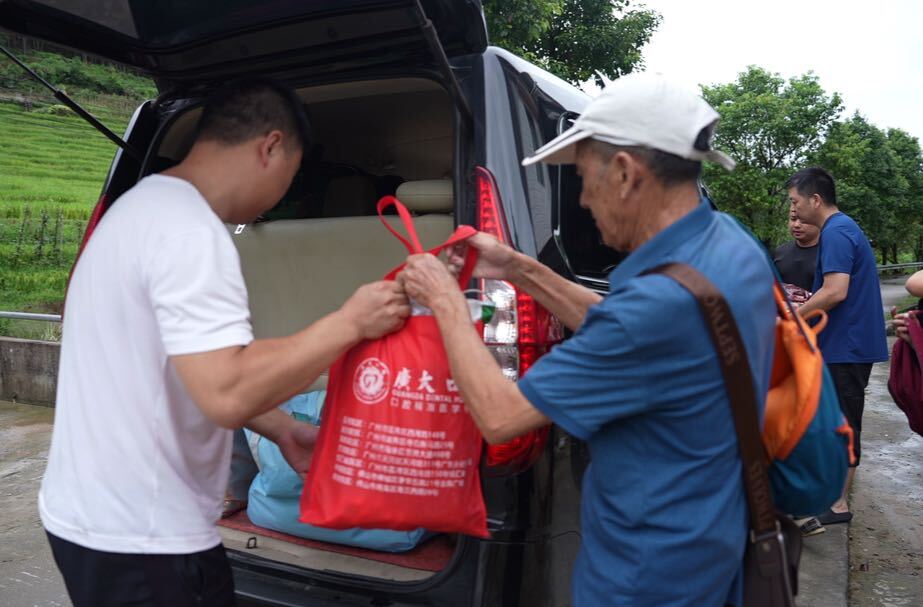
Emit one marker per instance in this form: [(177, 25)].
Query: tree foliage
[(908, 159), (770, 126), (574, 39), (774, 127), (879, 178)]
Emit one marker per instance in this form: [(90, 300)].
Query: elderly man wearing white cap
[(663, 514)]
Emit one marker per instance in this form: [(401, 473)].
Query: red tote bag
[(397, 449), (905, 382)]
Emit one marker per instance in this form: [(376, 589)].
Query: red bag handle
[(406, 219), (461, 234), (414, 247)]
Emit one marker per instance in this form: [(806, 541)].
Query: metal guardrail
[(30, 316), (900, 266), (57, 317)]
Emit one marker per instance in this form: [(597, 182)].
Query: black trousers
[(851, 380), (110, 579)]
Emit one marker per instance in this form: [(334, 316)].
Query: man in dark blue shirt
[(846, 287), (663, 510)]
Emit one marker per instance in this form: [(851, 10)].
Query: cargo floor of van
[(239, 533)]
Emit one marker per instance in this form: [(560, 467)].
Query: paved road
[(28, 576), (892, 291), (886, 534), (881, 552)]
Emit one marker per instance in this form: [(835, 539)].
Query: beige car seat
[(299, 270)]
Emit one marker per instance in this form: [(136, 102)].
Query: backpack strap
[(735, 367)]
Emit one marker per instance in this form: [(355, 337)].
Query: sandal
[(832, 518), (230, 507)]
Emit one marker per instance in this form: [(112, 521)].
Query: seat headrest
[(427, 196)]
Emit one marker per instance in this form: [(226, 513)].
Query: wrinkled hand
[(296, 443), (426, 279), (495, 259), (377, 308), (900, 324)]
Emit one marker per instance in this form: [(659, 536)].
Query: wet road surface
[(886, 533), (892, 292), (28, 576)]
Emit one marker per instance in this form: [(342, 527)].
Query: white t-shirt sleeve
[(198, 293)]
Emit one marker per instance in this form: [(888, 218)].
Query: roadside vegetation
[(773, 127), (52, 166)]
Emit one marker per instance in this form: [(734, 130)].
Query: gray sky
[(869, 52)]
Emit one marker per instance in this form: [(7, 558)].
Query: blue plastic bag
[(274, 495)]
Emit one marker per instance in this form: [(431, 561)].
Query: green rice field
[(52, 168)]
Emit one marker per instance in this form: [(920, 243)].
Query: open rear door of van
[(183, 43)]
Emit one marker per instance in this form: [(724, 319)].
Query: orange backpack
[(807, 439)]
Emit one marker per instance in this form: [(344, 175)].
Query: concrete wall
[(28, 370)]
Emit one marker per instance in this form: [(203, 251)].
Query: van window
[(582, 243), (536, 180)]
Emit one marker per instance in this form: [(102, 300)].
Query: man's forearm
[(270, 424), (565, 299), (234, 385), (499, 409), (269, 371), (821, 300)]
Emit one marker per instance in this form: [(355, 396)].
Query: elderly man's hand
[(426, 280), (495, 259)]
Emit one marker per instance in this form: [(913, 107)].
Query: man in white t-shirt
[(158, 363)]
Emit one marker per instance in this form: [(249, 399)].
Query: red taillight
[(490, 215), (95, 216), (517, 454), (538, 331), (537, 326), (520, 333)]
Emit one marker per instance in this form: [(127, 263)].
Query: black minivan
[(405, 97)]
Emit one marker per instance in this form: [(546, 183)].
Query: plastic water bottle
[(478, 310), (481, 310)]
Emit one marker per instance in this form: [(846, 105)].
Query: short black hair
[(246, 108), (814, 180), (670, 169)]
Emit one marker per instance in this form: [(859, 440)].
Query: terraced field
[(52, 167)]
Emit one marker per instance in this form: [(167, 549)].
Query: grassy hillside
[(52, 168)]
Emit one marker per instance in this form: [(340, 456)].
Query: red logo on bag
[(370, 384)]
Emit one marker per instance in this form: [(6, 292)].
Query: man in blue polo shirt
[(664, 513), (846, 287)]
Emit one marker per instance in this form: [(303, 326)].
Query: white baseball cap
[(644, 110)]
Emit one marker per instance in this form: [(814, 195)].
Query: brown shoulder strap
[(739, 382)]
